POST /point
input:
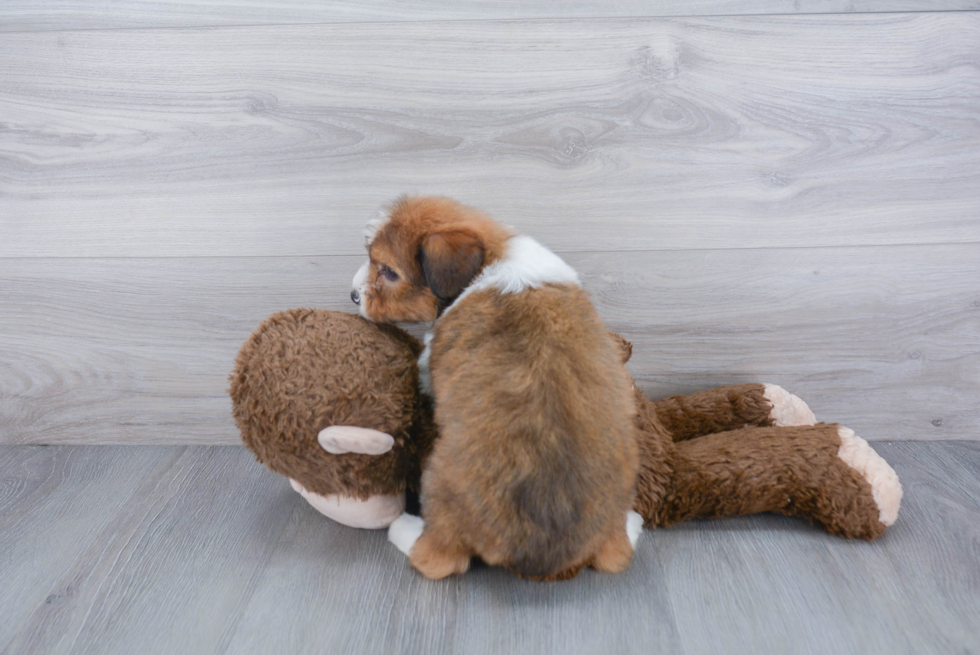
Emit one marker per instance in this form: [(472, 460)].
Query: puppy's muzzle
[(359, 279)]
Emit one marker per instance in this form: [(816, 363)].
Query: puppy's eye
[(388, 274)]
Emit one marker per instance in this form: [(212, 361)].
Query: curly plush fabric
[(303, 370), (715, 453), (787, 470)]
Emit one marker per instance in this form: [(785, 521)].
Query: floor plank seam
[(565, 251), (450, 21)]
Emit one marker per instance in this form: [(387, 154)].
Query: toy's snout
[(358, 283)]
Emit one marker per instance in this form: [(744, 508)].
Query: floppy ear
[(450, 260)]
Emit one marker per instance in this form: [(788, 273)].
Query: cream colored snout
[(358, 283)]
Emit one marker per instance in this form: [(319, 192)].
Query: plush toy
[(331, 401)]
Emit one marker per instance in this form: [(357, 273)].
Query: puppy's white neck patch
[(526, 265)]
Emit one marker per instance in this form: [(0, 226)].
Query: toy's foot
[(787, 409), (341, 439), (885, 487), (372, 514)]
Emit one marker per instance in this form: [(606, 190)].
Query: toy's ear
[(450, 260), (624, 346)]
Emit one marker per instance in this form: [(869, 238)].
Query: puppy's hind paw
[(435, 560)]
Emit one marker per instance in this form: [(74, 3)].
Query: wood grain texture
[(54, 503), (620, 134), (170, 569), (917, 590), (213, 554), (22, 15), (885, 340)]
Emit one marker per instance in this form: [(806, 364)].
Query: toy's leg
[(823, 473), (729, 408)]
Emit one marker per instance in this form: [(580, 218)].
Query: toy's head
[(304, 370)]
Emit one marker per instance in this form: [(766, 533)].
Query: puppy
[(536, 463)]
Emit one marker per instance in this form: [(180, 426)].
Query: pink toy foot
[(787, 409), (341, 439), (372, 514), (885, 487)]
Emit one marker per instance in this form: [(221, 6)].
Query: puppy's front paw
[(341, 439), (405, 531), (634, 527)]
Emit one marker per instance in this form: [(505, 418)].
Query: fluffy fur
[(294, 377), (422, 256), (536, 464), (711, 454)]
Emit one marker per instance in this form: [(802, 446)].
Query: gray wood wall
[(775, 196)]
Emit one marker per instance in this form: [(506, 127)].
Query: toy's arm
[(377, 511), (729, 408)]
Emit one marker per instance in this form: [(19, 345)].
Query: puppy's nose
[(356, 297)]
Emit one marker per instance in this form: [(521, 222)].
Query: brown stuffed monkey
[(332, 401)]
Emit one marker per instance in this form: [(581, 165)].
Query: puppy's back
[(537, 455)]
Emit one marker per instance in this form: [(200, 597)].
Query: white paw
[(885, 487), (787, 409), (634, 526), (405, 531), (340, 439), (372, 514)]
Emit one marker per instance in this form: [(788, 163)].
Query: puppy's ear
[(450, 260), (624, 347)]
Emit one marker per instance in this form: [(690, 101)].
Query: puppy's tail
[(550, 528)]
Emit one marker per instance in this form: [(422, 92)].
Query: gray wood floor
[(167, 549)]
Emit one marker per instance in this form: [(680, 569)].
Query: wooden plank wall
[(783, 197), (28, 15)]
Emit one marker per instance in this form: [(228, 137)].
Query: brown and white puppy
[(536, 463)]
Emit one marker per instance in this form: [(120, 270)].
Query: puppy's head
[(422, 254)]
